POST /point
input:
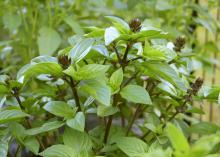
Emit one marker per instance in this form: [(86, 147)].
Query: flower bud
[(135, 25), (196, 85), (179, 43), (64, 61)]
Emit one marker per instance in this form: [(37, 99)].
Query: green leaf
[(101, 49), (132, 146), (87, 72), (79, 141), (204, 128), (74, 25), (204, 145), (81, 49), (11, 115), (46, 127), (78, 122), (160, 71), (94, 32), (59, 151), (111, 34), (116, 80), (159, 52), (60, 108), (3, 89), (167, 87), (163, 5), (11, 21), (32, 144), (3, 148), (136, 94), (156, 153), (3, 79), (149, 33), (18, 131), (153, 54), (120, 24), (48, 40), (176, 137), (103, 111), (35, 69), (98, 89)]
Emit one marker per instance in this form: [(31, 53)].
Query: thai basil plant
[(127, 90)]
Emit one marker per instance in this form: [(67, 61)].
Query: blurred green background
[(29, 28)]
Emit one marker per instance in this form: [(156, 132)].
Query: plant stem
[(108, 127), (118, 55), (136, 114), (130, 79), (17, 150), (75, 93), (109, 123), (16, 95), (126, 53)]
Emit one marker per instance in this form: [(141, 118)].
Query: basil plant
[(128, 90)]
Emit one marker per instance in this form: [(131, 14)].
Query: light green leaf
[(111, 34), (60, 108), (159, 52), (3, 148), (81, 49), (87, 72), (120, 24), (79, 141), (98, 89), (159, 70), (101, 49), (116, 80), (44, 58), (35, 69), (167, 87), (59, 151), (163, 5), (136, 94), (132, 146), (11, 115), (149, 33), (46, 127), (78, 122), (176, 137), (103, 111), (48, 40), (11, 21), (153, 54), (74, 25), (204, 145), (32, 144)]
